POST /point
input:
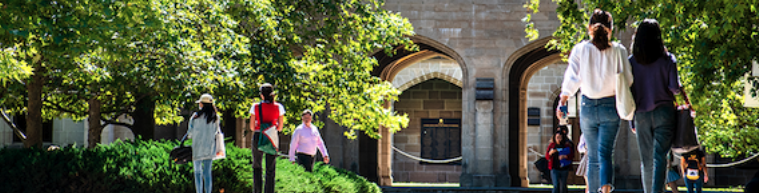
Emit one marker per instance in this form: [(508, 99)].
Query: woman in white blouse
[(592, 69), (305, 141)]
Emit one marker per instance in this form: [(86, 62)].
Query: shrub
[(144, 166)]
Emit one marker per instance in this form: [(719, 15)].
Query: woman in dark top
[(559, 155), (693, 168), (654, 89)]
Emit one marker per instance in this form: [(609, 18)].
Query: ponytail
[(600, 21), (600, 37), (267, 90)]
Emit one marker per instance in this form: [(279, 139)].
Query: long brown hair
[(600, 21)]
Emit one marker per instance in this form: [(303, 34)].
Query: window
[(441, 139)]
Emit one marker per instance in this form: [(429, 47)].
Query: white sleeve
[(281, 109), (572, 79)]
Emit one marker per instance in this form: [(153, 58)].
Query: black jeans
[(305, 160), (271, 164)]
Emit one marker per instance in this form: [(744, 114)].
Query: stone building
[(477, 90)]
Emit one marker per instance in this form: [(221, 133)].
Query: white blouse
[(593, 70)]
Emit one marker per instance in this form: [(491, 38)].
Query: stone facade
[(433, 99)]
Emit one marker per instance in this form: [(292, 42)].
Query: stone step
[(489, 190)]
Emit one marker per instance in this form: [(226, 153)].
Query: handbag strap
[(260, 115), (181, 142)]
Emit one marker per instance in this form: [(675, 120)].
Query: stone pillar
[(479, 169), (483, 162), (385, 156)]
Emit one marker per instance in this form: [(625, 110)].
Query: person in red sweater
[(559, 155)]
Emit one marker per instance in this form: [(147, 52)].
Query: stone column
[(483, 162), (479, 169), (385, 154)]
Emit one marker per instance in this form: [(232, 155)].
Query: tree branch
[(113, 122), (20, 134)]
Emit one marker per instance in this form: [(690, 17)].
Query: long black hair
[(209, 110), (599, 22), (648, 46)]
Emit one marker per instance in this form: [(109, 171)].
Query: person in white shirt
[(592, 68), (305, 141)]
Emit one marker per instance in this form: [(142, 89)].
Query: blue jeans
[(202, 175), (695, 184), (600, 123), (559, 179), (654, 130)]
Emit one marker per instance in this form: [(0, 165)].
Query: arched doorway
[(520, 67), (391, 67)]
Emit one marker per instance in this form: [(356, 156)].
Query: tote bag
[(625, 100), (181, 154), (220, 152), (268, 141), (685, 136)]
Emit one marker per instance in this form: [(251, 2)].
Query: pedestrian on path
[(271, 113), (592, 68), (305, 141), (582, 167), (560, 153), (693, 168), (654, 90), (202, 129)]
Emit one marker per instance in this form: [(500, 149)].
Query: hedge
[(144, 166)]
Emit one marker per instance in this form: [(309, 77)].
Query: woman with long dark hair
[(592, 68), (656, 83), (271, 113), (559, 154), (202, 129)]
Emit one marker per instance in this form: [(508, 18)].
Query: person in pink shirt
[(305, 140)]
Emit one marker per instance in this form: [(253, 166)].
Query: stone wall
[(434, 99)]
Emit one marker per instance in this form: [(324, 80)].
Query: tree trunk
[(230, 125), (34, 108), (144, 119), (94, 120)]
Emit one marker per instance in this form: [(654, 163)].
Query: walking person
[(560, 153), (673, 174), (693, 168), (582, 167), (654, 90), (592, 68), (271, 113), (202, 129), (305, 141)]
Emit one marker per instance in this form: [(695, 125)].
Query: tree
[(714, 45), (47, 36), (317, 54)]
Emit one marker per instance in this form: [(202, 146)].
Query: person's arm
[(294, 142), (682, 166), (550, 151), (323, 148), (253, 118), (703, 166), (627, 66), (281, 123), (281, 119), (572, 80)]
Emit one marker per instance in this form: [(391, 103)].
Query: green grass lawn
[(454, 185)]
